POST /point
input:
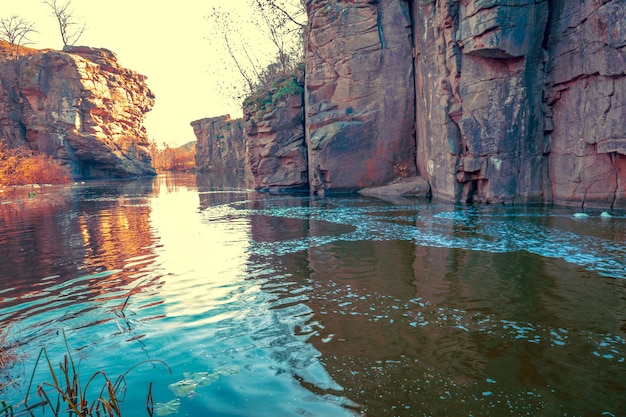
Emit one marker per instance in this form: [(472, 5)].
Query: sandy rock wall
[(522, 100), (80, 106), (479, 83), (586, 98), (494, 101)]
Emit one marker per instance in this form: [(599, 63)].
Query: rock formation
[(220, 144), (479, 84), (515, 106), (495, 101), (586, 102), (276, 154), (359, 97), (78, 105)]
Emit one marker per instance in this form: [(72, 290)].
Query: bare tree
[(70, 27), (223, 28), (294, 10), (15, 30), (271, 52)]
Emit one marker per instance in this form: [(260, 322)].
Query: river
[(224, 302)]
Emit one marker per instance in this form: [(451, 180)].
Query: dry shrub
[(22, 166), (8, 357)]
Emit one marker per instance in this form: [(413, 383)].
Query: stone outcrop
[(77, 105), (219, 145), (359, 98), (479, 83), (276, 154), (411, 187)]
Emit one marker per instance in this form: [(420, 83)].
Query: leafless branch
[(70, 27)]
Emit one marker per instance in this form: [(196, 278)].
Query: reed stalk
[(66, 393)]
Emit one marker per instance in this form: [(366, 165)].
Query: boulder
[(411, 187)]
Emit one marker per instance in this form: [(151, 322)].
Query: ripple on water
[(341, 306)]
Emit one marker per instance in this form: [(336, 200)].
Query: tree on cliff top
[(15, 30), (252, 62), (70, 27)]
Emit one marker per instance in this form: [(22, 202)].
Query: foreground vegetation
[(68, 392), (23, 166)]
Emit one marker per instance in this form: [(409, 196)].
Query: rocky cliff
[(586, 102), (78, 105), (359, 98), (276, 153), (219, 144), (495, 101), (479, 83), (522, 101)]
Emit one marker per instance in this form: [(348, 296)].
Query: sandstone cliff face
[(496, 101), (587, 102), (276, 154), (479, 82), (220, 144), (80, 106), (513, 106), (358, 93)]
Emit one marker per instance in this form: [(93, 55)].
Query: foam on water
[(304, 319)]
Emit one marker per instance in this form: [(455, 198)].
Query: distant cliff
[(219, 144), (491, 101), (77, 105)]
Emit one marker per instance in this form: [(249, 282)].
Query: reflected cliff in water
[(408, 330), (98, 234), (291, 305)]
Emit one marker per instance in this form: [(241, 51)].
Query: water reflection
[(338, 306), (436, 331), (96, 237)]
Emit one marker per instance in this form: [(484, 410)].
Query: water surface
[(290, 305)]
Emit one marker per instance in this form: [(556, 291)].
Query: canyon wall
[(522, 101), (479, 83), (494, 101), (276, 153), (586, 101), (219, 144), (77, 105), (359, 98)]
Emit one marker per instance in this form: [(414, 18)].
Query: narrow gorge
[(489, 101)]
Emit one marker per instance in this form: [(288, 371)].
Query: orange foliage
[(182, 158), (7, 48), (23, 166)]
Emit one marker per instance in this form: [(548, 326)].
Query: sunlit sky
[(166, 41)]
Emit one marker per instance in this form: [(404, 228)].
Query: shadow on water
[(290, 305)]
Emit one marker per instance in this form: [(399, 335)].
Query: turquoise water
[(289, 305)]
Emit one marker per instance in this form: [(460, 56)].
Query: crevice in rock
[(379, 23), (409, 5)]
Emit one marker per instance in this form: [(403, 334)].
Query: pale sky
[(166, 41)]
